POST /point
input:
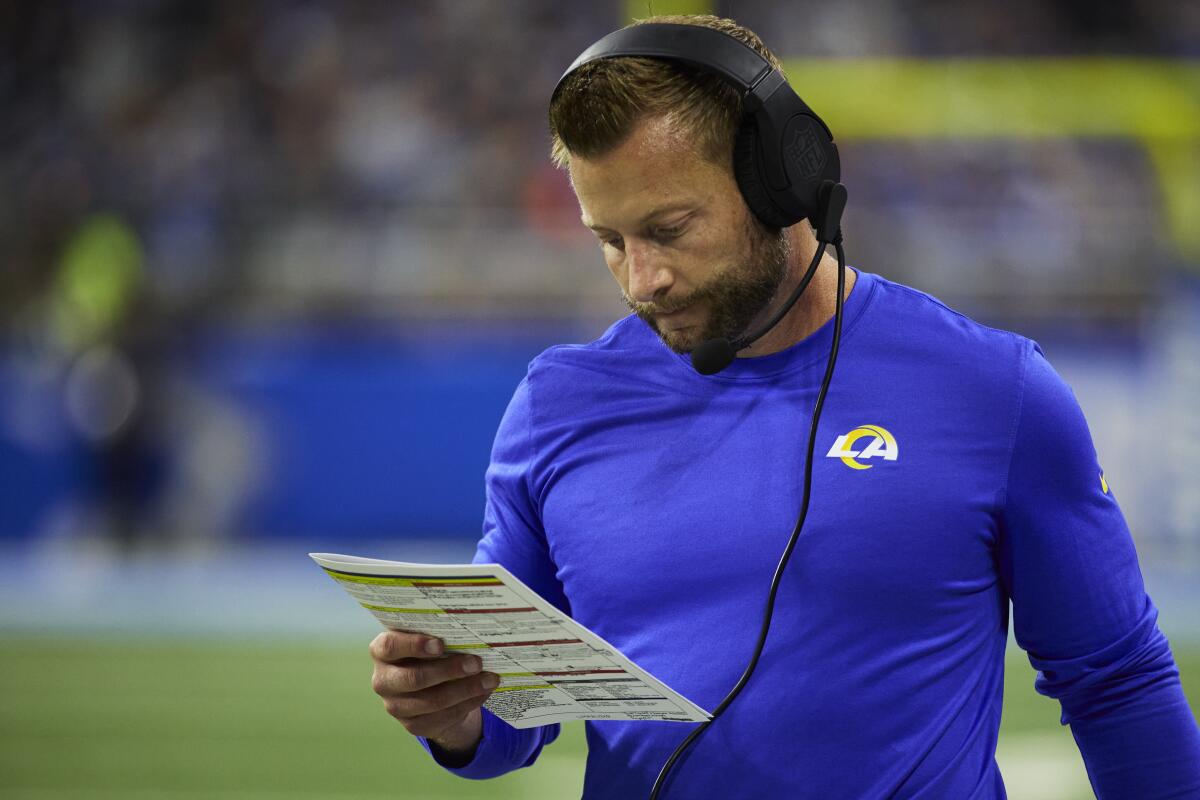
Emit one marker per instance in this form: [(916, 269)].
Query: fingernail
[(433, 647), (472, 665), (490, 681)]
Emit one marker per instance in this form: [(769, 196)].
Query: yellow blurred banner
[(1154, 101), (643, 9), (1018, 97)]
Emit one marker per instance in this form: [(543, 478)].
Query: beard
[(735, 296)]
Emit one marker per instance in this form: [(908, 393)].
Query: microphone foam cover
[(712, 356)]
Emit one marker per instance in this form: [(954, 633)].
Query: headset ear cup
[(747, 169)]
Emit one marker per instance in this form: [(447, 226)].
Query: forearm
[(1148, 747), (1130, 718)]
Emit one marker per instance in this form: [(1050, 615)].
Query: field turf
[(151, 718)]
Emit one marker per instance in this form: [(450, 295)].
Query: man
[(652, 503)]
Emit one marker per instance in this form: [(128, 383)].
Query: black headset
[(787, 169), (784, 157)]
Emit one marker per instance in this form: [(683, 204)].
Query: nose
[(649, 276)]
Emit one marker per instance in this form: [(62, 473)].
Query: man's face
[(689, 257)]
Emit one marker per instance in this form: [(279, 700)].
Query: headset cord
[(661, 781)]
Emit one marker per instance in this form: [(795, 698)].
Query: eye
[(664, 234), (615, 242)]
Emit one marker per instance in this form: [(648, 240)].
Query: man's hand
[(433, 696)]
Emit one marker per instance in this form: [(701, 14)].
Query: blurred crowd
[(949, 28), (332, 156), (220, 133)]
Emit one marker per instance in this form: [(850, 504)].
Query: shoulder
[(919, 314), (626, 335), (571, 390), (627, 350), (916, 329)]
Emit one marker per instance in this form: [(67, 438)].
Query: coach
[(954, 475)]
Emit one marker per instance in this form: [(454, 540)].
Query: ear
[(748, 170)]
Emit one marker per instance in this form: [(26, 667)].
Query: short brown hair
[(600, 103)]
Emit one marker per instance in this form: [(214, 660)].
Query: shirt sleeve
[(513, 536), (1080, 609)]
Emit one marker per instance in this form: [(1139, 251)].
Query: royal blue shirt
[(954, 478)]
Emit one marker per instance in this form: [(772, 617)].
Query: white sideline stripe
[(1043, 766)]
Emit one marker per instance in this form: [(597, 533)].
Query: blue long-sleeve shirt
[(652, 503)]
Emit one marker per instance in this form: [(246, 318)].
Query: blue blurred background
[(272, 269)]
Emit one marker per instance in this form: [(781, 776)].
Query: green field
[(152, 718)]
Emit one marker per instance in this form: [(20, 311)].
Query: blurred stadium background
[(272, 269)]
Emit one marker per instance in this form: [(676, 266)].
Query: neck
[(814, 308)]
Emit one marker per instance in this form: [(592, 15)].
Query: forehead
[(656, 166)]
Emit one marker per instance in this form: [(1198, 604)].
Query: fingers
[(427, 690), (395, 645), (432, 726), (435, 723), (440, 698), (411, 675)]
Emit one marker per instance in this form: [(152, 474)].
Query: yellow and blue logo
[(882, 445)]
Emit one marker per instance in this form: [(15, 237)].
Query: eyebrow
[(658, 212)]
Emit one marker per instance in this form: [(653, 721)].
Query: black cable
[(696, 732), (713, 355), (787, 305)]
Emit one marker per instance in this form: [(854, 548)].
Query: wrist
[(456, 746)]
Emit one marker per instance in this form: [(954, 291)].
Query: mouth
[(674, 320)]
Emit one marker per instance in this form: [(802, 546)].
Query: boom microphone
[(712, 356)]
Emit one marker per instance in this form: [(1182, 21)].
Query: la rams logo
[(882, 445)]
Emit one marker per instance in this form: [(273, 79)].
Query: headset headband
[(704, 48), (784, 157)]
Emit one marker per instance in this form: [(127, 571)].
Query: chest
[(673, 506)]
